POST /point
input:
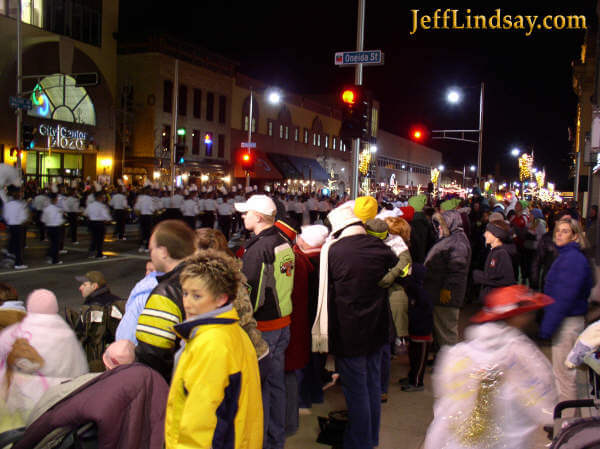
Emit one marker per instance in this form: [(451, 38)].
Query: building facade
[(69, 60), (404, 163), (204, 110)]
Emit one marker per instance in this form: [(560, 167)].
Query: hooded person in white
[(495, 389), (57, 354)]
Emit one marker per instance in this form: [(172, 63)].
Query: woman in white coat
[(39, 352), (496, 389)]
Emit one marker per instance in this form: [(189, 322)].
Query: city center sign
[(65, 138)]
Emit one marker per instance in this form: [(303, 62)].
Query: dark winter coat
[(569, 283), (127, 404), (542, 260), (448, 262), (359, 310), (498, 272), (420, 303), (101, 296), (422, 237)]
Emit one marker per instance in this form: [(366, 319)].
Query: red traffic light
[(247, 161), (349, 96), (418, 133)]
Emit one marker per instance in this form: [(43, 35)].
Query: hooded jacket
[(422, 237), (569, 283), (497, 376), (215, 398), (448, 262)]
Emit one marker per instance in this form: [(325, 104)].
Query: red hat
[(505, 302), (408, 213)]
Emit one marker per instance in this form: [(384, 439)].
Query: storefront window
[(56, 97)]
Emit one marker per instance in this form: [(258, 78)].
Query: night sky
[(529, 99)]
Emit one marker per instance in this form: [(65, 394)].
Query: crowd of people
[(280, 288)]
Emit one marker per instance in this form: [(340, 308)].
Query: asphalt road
[(122, 269)]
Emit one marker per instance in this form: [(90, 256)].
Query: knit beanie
[(497, 231), (408, 213), (418, 202), (450, 204), (495, 216), (377, 228), (42, 301), (314, 235), (365, 208)]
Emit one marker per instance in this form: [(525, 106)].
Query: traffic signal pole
[(358, 80), (174, 112), (249, 134), (19, 85)]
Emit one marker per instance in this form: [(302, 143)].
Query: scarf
[(320, 339)]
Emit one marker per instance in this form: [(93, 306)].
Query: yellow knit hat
[(365, 208)]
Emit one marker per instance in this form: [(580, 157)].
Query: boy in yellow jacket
[(215, 397)]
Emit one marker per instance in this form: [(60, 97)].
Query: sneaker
[(410, 388), (60, 262), (101, 257), (75, 243), (404, 381), (21, 267), (63, 251)]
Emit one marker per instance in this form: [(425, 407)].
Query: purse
[(332, 428)]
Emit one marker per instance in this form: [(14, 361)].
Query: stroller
[(579, 433), (121, 408)]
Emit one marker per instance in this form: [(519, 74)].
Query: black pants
[(54, 237), (417, 355), (225, 225), (73, 216), (16, 244), (40, 224), (314, 214), (98, 230), (190, 220), (120, 216), (145, 229), (208, 220)]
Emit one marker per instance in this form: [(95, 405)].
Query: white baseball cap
[(258, 203)]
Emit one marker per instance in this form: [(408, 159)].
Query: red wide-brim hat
[(505, 302)]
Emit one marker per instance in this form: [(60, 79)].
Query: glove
[(445, 296)]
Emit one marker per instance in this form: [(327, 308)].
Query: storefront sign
[(65, 138)]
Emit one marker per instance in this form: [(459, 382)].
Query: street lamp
[(473, 168), (274, 97), (454, 97), (515, 152), (441, 167), (373, 148)]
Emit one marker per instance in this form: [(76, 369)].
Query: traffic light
[(418, 133), (179, 152), (356, 119), (27, 135), (247, 161)]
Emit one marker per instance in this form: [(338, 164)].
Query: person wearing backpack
[(96, 322)]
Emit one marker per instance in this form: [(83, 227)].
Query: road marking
[(76, 264)]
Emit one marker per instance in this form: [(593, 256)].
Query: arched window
[(246, 113), (56, 97)]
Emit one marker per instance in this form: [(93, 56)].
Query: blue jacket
[(569, 282), (135, 306)]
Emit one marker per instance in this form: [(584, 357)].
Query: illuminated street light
[(373, 148), (274, 97), (515, 152), (453, 96), (441, 167), (473, 168)]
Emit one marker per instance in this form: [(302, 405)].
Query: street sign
[(248, 144), (368, 57), (20, 103)]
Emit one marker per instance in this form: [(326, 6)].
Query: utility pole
[(249, 134), (174, 124), (358, 80), (19, 85), (480, 143)]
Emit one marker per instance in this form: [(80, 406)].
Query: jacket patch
[(492, 263), (286, 267)]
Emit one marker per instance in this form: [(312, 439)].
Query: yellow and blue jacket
[(215, 399)]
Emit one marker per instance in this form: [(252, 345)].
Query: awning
[(309, 168), (284, 165), (263, 167)]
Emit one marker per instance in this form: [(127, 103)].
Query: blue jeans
[(273, 388), (311, 381), (386, 361), (292, 419), (361, 384)]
